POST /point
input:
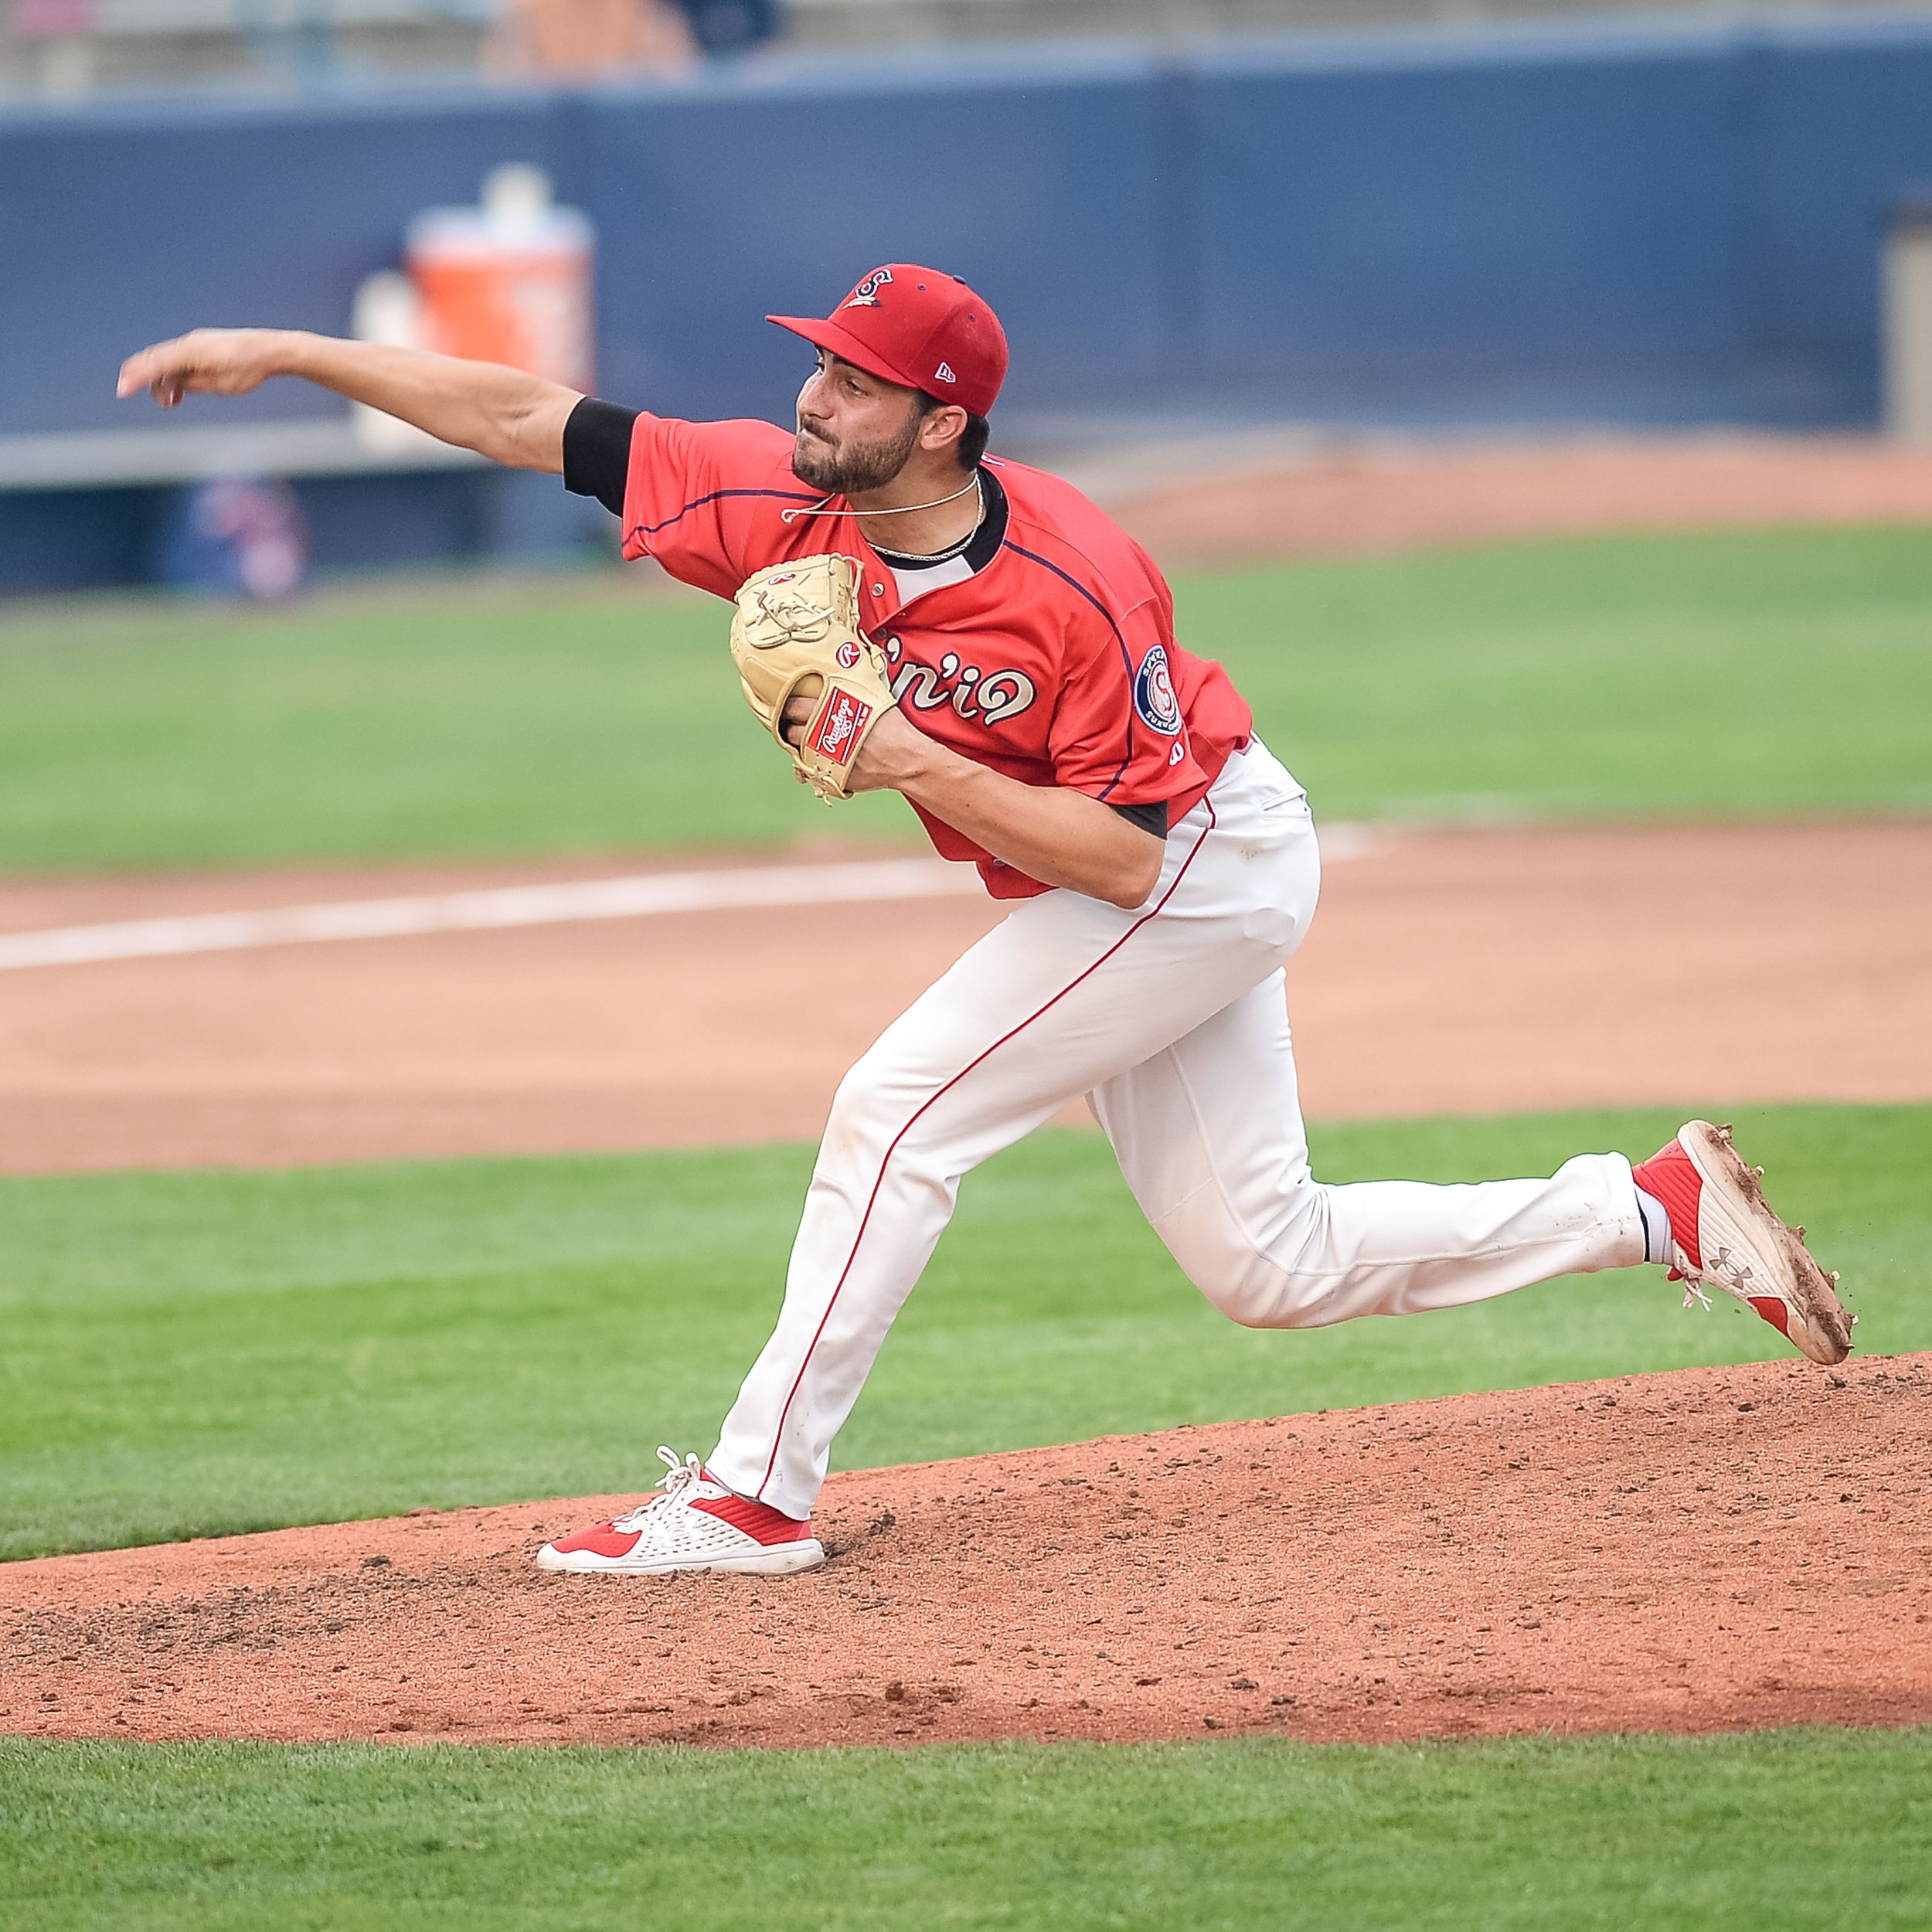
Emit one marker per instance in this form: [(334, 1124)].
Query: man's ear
[(942, 426)]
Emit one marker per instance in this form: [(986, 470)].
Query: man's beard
[(849, 469)]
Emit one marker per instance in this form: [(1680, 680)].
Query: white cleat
[(1723, 1235), (693, 1522)]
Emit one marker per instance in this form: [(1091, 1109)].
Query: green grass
[(1731, 674), (1814, 1829), (1784, 673), (189, 1354)]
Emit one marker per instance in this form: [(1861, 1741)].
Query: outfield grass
[(1783, 672), (1777, 1831), (190, 1354)]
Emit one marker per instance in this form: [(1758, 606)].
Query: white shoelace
[(679, 1476), (1682, 1268)]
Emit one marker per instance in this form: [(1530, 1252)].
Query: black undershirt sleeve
[(596, 451), (1148, 818)]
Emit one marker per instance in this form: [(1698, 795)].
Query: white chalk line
[(639, 896)]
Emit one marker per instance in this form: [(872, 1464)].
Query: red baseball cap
[(918, 328)]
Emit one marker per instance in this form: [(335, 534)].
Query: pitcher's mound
[(1698, 1551)]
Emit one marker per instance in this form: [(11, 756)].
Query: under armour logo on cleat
[(1730, 1269)]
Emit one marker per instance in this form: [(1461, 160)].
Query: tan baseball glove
[(797, 633)]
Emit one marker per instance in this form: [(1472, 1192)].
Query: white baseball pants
[(1172, 1020)]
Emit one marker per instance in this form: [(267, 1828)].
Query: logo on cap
[(866, 294), (944, 374)]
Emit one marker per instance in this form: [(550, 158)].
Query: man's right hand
[(503, 413), (210, 361)]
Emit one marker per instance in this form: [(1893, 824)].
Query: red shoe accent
[(1669, 1176), (1773, 1311), (602, 1539), (759, 1521)]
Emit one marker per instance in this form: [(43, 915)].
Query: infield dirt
[(1266, 497), (1446, 971), (1701, 1551)]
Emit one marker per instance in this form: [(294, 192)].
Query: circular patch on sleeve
[(1154, 697)]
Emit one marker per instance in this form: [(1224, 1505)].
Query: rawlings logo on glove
[(796, 634)]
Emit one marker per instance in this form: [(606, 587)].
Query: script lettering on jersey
[(988, 695)]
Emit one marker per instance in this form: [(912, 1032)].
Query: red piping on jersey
[(1127, 656), (699, 502), (872, 1199)]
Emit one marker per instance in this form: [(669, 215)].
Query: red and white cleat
[(693, 1522), (1723, 1235)]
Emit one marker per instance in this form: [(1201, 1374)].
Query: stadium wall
[(1630, 225)]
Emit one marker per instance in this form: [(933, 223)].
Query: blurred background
[(1199, 221)]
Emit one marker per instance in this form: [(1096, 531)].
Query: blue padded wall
[(1841, 127), (119, 228), (1037, 184), (1635, 224), (1567, 196)]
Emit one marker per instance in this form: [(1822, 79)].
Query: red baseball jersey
[(1055, 662)]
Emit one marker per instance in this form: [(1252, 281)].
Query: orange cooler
[(510, 281)]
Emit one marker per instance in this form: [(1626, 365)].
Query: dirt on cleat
[(1806, 1310)]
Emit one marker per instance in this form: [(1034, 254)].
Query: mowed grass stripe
[(200, 1353), (1736, 673), (1766, 1833)]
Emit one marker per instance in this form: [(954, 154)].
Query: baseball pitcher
[(912, 612)]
